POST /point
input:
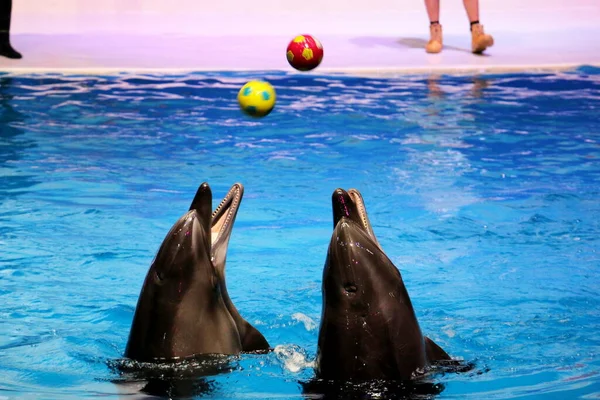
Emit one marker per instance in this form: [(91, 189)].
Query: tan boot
[(435, 43), (480, 40)]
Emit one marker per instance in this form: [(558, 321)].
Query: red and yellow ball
[(304, 53)]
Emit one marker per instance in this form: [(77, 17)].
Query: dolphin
[(184, 309), (368, 330)]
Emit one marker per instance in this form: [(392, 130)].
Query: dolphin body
[(369, 330), (184, 308)]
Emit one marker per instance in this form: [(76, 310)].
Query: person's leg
[(479, 40), (6, 49), (435, 29), (433, 10), (472, 9)]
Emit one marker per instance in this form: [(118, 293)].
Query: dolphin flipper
[(252, 339), (435, 352)]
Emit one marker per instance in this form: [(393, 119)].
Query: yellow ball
[(257, 98)]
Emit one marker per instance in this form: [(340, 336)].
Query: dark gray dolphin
[(183, 308), (368, 326)]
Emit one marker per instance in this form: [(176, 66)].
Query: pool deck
[(556, 38)]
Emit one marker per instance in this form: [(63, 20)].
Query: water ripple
[(483, 190)]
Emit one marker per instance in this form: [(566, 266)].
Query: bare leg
[(433, 9), (472, 9)]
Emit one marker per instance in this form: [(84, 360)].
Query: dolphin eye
[(350, 288), (160, 275)]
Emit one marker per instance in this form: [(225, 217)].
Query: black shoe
[(7, 50)]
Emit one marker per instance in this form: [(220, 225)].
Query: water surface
[(482, 190)]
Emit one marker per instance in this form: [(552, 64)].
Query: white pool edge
[(351, 71)]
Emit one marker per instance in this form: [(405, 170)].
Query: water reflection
[(184, 378), (476, 89), (426, 386), (319, 389), (9, 115), (13, 145), (179, 388), (438, 153), (172, 388)]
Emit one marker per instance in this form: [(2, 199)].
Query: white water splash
[(308, 322), (292, 357)]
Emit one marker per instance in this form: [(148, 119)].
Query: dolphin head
[(356, 265), (350, 205), (184, 255), (356, 271)]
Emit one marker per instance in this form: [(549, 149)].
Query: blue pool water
[(484, 191)]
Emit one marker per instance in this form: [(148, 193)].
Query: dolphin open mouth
[(223, 216), (351, 205), (358, 201)]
